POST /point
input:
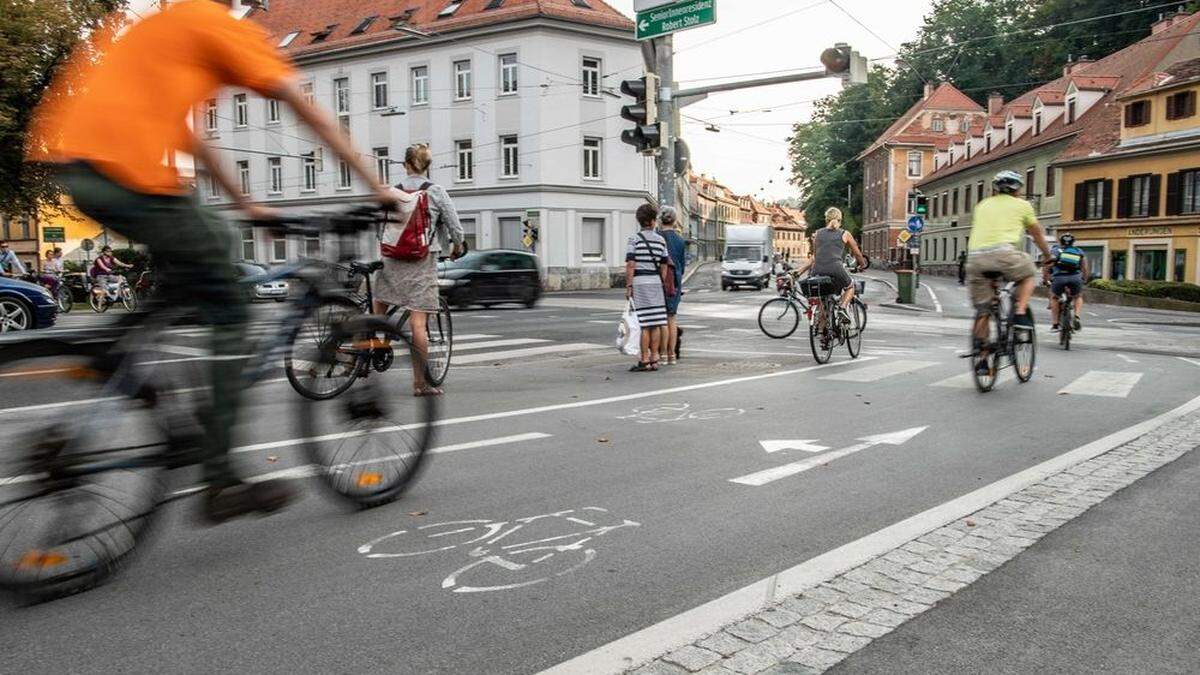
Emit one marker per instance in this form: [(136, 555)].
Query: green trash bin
[(906, 285)]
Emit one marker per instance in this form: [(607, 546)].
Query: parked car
[(268, 289), (25, 306), (491, 277)]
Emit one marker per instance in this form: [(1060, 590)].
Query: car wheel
[(531, 298), (280, 299), (14, 316)]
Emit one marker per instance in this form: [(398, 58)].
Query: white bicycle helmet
[(1008, 181)]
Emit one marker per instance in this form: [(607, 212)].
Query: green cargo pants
[(191, 248)]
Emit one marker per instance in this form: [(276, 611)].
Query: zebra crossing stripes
[(879, 371), (1102, 383), (960, 381), (544, 350)]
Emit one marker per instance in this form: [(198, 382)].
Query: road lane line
[(532, 351), (880, 371), (936, 304), (1194, 362), (1102, 383), (960, 381), (648, 643), (477, 336), (491, 344), (1126, 359)]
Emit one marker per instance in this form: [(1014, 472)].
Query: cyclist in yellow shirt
[(109, 125), (997, 233)]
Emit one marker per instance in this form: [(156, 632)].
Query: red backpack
[(409, 231)]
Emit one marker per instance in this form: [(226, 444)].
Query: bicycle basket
[(815, 287)]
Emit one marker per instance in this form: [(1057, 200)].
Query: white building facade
[(521, 116)]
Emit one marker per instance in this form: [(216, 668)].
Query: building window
[(379, 90), (363, 25), (470, 237), (241, 111), (1180, 264), (343, 175), (1008, 134), (508, 74), (1030, 178), (592, 239), (462, 80), (1094, 200), (420, 85), (272, 111), (987, 141), (1137, 114), (510, 166), (1049, 190), (312, 246), (1137, 196), (341, 95), (449, 9), (591, 76), (938, 124), (1037, 123), (309, 166), (287, 39), (954, 202), (1183, 192), (933, 208), (306, 92), (383, 166), (465, 151), (243, 168), (967, 199), (1181, 105), (965, 126), (248, 243), (591, 158), (275, 171), (1150, 263), (210, 115), (914, 164), (278, 250), (214, 188), (979, 192), (1071, 105)]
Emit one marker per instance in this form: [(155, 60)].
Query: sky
[(753, 37)]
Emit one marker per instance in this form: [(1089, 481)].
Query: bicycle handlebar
[(351, 221)]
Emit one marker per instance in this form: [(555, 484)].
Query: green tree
[(36, 36)]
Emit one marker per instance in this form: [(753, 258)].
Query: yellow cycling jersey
[(1000, 219)]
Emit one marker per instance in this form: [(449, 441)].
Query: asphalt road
[(548, 437)]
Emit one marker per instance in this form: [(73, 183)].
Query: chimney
[(995, 103), (1073, 67), (928, 90)]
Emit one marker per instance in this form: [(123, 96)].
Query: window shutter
[(1107, 204), (1155, 189), (1172, 105), (1190, 109), (1081, 201), (1173, 181), (1124, 197), (1129, 115)]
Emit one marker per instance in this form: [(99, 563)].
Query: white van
[(747, 258)]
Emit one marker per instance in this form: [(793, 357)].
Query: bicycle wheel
[(778, 318), (1024, 353), (985, 377), (65, 300), (80, 479), (820, 340), (440, 330), (1066, 322), (858, 321), (128, 299), (99, 302), (369, 445), (311, 373)]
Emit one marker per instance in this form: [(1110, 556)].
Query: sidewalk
[(1113, 591)]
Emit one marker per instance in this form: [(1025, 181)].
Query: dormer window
[(401, 20), (494, 4), (966, 124), (1037, 123), (321, 35), (1072, 106), (938, 124), (449, 10), (581, 3), (364, 25), (1181, 105), (987, 141), (1137, 114), (287, 39), (1008, 130)]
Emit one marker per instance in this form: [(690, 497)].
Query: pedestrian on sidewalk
[(677, 251), (645, 276), (413, 286), (962, 268)]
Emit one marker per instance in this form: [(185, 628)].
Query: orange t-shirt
[(125, 113)]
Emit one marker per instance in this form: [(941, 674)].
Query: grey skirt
[(408, 285), (649, 302)]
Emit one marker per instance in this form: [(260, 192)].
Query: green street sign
[(675, 17), (54, 235)]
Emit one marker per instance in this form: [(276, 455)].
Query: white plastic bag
[(629, 333)]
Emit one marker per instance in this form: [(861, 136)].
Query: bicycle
[(779, 317), (439, 330), (110, 293), (1005, 342), (1066, 318), (829, 325), (81, 481), (63, 299)]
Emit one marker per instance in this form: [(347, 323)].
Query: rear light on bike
[(40, 560)]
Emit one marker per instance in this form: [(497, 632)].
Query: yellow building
[(1132, 185), (74, 228)]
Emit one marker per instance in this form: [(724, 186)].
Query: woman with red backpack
[(409, 276)]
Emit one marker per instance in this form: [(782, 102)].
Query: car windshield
[(742, 253), (249, 269), (469, 261)]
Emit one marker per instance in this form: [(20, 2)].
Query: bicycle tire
[(66, 301), (858, 318), (985, 382), (88, 524), (313, 328), (780, 322), (1024, 341), (440, 330), (863, 305), (1065, 327), (99, 303), (396, 424), (821, 354), (128, 299)]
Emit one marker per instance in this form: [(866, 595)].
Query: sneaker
[(1023, 321), (222, 503), (1054, 328), (1077, 324)]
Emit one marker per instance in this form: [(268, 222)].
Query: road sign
[(675, 17), (916, 224), (904, 236), (54, 235), (87, 244)]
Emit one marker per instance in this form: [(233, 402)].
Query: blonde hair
[(418, 157), (833, 213)]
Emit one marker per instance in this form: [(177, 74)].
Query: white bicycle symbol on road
[(499, 566), (678, 412)]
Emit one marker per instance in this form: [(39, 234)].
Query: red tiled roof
[(1095, 82), (309, 16), (1094, 130), (945, 97), (1050, 97), (1184, 72)]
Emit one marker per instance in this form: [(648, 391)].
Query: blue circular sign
[(916, 224)]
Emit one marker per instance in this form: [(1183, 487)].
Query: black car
[(491, 277)]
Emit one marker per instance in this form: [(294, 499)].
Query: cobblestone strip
[(813, 631)]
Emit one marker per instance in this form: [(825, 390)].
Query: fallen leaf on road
[(417, 513), (272, 458), (970, 523), (602, 439)]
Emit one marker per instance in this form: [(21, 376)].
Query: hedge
[(1151, 289)]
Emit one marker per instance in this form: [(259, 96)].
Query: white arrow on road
[(806, 446), (770, 475)]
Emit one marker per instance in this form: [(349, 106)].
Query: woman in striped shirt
[(645, 275)]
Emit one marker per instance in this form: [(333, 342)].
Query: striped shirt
[(647, 250)]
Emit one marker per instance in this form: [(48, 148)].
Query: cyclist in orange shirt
[(111, 124)]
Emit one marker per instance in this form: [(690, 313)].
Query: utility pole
[(665, 52)]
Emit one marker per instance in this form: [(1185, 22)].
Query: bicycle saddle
[(366, 268)]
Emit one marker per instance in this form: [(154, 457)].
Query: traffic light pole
[(664, 48)]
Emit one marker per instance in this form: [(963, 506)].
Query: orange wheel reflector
[(369, 479), (373, 343), (40, 560)]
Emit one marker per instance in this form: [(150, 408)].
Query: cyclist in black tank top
[(829, 250)]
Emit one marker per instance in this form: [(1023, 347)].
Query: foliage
[(132, 256), (36, 36), (1009, 46), (1150, 289)]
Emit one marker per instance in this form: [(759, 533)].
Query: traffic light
[(846, 63), (646, 135), (920, 203)]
